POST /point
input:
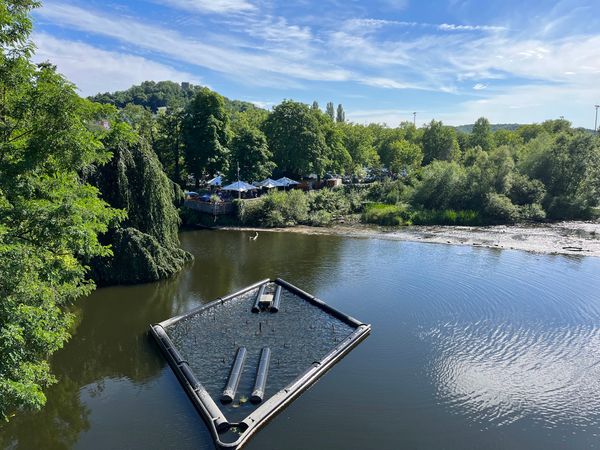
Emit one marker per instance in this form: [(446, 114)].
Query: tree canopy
[(50, 218)]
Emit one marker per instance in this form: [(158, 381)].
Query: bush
[(533, 212), (442, 186), (523, 190), (332, 201), (389, 215), (499, 208), (248, 212), (387, 192), (320, 218), (284, 209), (566, 207), (356, 197)]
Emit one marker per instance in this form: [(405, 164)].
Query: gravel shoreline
[(566, 238)]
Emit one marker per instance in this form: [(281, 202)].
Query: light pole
[(596, 121), (238, 174)]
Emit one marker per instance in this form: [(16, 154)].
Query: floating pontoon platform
[(244, 357)]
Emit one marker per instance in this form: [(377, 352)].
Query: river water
[(471, 348)]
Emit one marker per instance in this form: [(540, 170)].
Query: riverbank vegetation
[(432, 174), (78, 186)]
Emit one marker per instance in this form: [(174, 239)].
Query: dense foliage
[(49, 217), (146, 244), (496, 173), (83, 198)]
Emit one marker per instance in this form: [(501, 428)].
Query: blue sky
[(453, 60)]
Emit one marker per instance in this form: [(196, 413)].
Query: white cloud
[(454, 27), (369, 25), (94, 70), (210, 6), (541, 71), (262, 68)]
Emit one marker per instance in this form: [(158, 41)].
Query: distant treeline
[(499, 174)]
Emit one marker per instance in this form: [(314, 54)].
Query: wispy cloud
[(209, 6), (473, 60), (94, 70), (369, 24), (249, 66), (455, 27)]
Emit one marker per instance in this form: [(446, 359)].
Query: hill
[(495, 127), (154, 95)]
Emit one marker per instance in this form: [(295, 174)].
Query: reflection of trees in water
[(56, 427), (110, 338), (110, 341), (226, 261)]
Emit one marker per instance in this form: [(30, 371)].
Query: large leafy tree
[(565, 164), (404, 156), (359, 142), (49, 218), (296, 139), (439, 143), (146, 244), (482, 135), (250, 152), (169, 145), (206, 134)]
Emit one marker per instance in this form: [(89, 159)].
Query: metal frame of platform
[(210, 412)]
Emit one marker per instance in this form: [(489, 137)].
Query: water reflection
[(500, 374), (471, 348)]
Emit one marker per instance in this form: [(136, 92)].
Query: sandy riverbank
[(571, 238)]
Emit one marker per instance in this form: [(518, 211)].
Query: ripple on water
[(500, 373)]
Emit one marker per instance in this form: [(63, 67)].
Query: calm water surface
[(471, 348)]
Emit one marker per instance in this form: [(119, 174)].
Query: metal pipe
[(276, 300), (258, 393), (234, 376), (261, 291)]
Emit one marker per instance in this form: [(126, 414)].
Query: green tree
[(482, 135), (439, 143), (506, 137), (359, 142), (250, 151), (295, 137), (330, 111), (49, 217), (404, 155), (564, 163), (146, 244), (315, 105), (340, 116), (206, 134), (169, 145), (442, 186)]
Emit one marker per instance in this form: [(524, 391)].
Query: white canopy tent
[(286, 182), (270, 184), (239, 186)]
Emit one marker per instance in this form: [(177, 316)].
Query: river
[(471, 348)]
